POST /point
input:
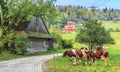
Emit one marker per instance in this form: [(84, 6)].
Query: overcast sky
[(88, 3)]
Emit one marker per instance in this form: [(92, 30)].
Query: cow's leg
[(102, 57), (95, 61), (71, 58), (91, 60), (79, 59), (86, 61), (106, 61), (74, 61)]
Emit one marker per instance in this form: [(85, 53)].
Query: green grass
[(64, 64), (69, 36), (5, 55), (110, 24)]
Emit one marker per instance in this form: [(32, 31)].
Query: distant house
[(69, 28), (39, 37)]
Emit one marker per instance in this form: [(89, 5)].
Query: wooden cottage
[(39, 37)]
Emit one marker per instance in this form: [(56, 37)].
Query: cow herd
[(83, 54)]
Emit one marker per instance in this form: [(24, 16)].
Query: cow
[(91, 55), (88, 55), (83, 55), (77, 54), (101, 54), (72, 54), (98, 54)]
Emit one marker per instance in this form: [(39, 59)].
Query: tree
[(46, 10), (16, 14), (13, 14), (94, 34)]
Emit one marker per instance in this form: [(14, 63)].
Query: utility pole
[(93, 9)]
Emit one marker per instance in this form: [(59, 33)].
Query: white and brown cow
[(72, 54), (102, 54), (76, 55)]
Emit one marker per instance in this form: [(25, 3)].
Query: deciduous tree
[(94, 34)]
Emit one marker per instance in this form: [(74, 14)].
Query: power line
[(99, 3), (102, 4), (95, 2)]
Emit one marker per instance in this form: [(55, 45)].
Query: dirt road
[(30, 64)]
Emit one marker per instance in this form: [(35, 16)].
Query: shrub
[(60, 42), (58, 39), (117, 30), (21, 44), (67, 44), (110, 30)]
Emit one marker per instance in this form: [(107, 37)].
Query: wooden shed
[(39, 36)]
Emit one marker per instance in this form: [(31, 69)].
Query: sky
[(88, 3)]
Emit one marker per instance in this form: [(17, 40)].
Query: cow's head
[(65, 53)]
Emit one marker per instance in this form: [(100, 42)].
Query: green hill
[(111, 24)]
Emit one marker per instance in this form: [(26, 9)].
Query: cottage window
[(31, 45)]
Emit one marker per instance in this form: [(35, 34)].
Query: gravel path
[(30, 64)]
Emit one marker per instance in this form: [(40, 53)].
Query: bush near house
[(67, 44), (62, 43), (21, 44)]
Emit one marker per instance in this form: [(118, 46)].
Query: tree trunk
[(89, 46)]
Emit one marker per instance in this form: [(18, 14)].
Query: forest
[(81, 13)]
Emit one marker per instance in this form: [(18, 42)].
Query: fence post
[(54, 64)]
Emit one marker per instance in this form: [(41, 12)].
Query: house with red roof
[(69, 28)]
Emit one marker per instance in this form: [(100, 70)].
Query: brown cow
[(98, 54), (91, 55), (101, 54), (76, 55), (83, 56), (88, 55), (72, 54)]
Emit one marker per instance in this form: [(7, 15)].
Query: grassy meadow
[(71, 37), (64, 64), (111, 24)]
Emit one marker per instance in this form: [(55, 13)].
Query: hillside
[(111, 24), (81, 13)]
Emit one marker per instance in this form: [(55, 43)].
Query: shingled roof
[(38, 29)]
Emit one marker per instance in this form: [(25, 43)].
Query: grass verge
[(7, 56)]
